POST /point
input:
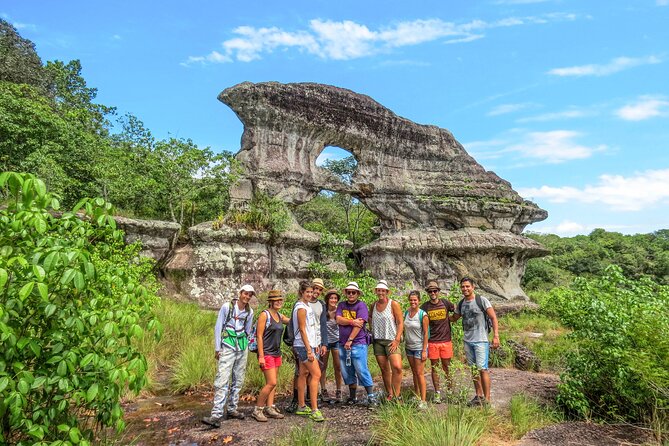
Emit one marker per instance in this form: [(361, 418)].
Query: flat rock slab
[(588, 434)]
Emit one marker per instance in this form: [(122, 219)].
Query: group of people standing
[(344, 329)]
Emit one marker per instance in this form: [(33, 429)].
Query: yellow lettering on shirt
[(348, 314), (437, 315)]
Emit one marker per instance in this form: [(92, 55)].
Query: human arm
[(302, 327), (495, 332), (324, 330), (260, 331), (426, 329), (218, 329), (285, 320), (399, 322)]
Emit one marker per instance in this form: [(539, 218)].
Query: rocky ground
[(175, 420)]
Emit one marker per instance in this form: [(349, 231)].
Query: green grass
[(527, 415), (404, 425), (306, 435)]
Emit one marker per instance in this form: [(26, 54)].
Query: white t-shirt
[(310, 328)]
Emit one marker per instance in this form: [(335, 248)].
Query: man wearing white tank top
[(387, 326)]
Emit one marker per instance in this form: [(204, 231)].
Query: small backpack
[(479, 303), (253, 339), (289, 331)]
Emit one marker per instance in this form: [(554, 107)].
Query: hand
[(393, 346), (261, 362), (495, 342), (358, 323), (323, 350), (217, 355), (423, 355), (348, 345), (311, 356)]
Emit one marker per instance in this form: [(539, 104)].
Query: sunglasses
[(351, 293), (433, 291)]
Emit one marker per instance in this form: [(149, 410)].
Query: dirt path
[(176, 420)]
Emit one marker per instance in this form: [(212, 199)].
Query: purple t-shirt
[(357, 310)]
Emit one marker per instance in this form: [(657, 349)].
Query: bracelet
[(350, 340)]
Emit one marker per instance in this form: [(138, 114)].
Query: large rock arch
[(442, 214)]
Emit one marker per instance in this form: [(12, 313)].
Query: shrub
[(265, 213), (73, 298), (527, 415), (619, 365)]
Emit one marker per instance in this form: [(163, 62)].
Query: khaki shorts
[(382, 348)]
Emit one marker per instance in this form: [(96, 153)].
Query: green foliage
[(527, 414), (265, 214), (404, 425), (74, 298), (19, 63), (618, 367), (589, 255), (307, 435)]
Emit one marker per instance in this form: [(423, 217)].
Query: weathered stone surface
[(216, 262), (442, 214), (157, 237)]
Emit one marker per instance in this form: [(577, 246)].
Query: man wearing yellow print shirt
[(439, 346)]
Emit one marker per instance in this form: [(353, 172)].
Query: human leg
[(226, 362), (336, 363), (237, 381), (395, 361), (422, 385), (324, 360), (385, 373)]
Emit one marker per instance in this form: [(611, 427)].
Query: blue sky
[(566, 99)]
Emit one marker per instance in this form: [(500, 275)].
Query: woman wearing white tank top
[(387, 325)]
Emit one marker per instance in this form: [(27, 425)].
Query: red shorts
[(443, 350), (271, 362)]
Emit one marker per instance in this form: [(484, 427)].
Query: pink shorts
[(272, 362)]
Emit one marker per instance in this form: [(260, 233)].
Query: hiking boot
[(212, 421), (236, 415), (476, 401), (258, 414), (317, 416), (436, 399), (372, 400), (324, 396), (337, 397), (351, 401), (304, 411), (422, 405), (292, 407), (273, 412)]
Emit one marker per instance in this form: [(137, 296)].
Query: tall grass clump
[(306, 435), (403, 425), (184, 357), (527, 414)]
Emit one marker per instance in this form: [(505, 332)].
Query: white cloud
[(635, 193), (571, 228), (504, 109), (117, 37), (554, 116), (616, 65), (646, 107), (662, 2), (344, 40), (552, 147)]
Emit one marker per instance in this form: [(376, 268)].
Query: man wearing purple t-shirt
[(352, 315)]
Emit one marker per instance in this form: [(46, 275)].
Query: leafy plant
[(527, 415), (307, 435), (73, 298), (264, 213), (618, 367)]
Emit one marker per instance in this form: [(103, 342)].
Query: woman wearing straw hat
[(352, 315), (268, 334), (387, 326)]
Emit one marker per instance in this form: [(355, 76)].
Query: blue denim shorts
[(333, 345), (302, 353), (477, 354), (414, 353)]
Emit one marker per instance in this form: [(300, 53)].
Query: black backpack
[(479, 303), (289, 331)]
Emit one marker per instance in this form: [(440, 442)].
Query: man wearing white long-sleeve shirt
[(231, 340)]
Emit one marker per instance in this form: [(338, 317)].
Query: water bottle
[(348, 358)]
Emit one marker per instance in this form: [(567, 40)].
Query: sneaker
[(476, 401), (422, 405), (436, 399), (212, 421), (372, 400), (352, 401), (304, 411), (337, 397), (317, 416), (273, 412), (236, 415), (324, 396), (292, 407), (258, 414)]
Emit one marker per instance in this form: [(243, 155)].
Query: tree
[(74, 298), (19, 62)]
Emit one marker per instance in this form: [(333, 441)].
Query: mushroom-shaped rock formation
[(442, 214)]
